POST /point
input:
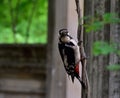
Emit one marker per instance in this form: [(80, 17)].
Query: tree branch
[(17, 11), (85, 92), (79, 37), (30, 20), (13, 24)]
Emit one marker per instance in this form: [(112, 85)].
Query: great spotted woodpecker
[(70, 55)]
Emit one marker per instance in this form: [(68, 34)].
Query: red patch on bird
[(77, 68)]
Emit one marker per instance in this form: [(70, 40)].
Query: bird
[(70, 55)]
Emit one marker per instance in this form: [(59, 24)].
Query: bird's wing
[(61, 48)]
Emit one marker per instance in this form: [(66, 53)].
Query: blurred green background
[(23, 21)]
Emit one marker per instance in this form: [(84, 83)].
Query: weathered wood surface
[(114, 79), (28, 55), (22, 71), (103, 84), (18, 85), (56, 78)]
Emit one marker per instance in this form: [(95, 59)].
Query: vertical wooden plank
[(56, 77), (105, 91), (96, 65), (88, 4), (98, 62), (114, 79)]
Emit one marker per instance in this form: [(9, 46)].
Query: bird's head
[(64, 35)]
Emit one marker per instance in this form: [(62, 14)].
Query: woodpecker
[(70, 54)]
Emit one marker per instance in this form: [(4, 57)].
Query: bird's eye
[(60, 33), (65, 32)]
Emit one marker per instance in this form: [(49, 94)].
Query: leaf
[(118, 52), (96, 23), (102, 48), (6, 35), (95, 26), (115, 67), (38, 28), (20, 38), (110, 18)]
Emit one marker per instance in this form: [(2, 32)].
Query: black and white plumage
[(70, 55)]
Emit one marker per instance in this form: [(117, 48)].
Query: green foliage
[(6, 35), (103, 48), (97, 23), (113, 67), (94, 24), (109, 18), (23, 21), (118, 52)]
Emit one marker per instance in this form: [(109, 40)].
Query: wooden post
[(56, 77)]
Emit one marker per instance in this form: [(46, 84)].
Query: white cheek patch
[(65, 39)]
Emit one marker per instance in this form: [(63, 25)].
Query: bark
[(85, 92)]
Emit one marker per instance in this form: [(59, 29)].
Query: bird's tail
[(82, 83), (72, 78), (78, 77)]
